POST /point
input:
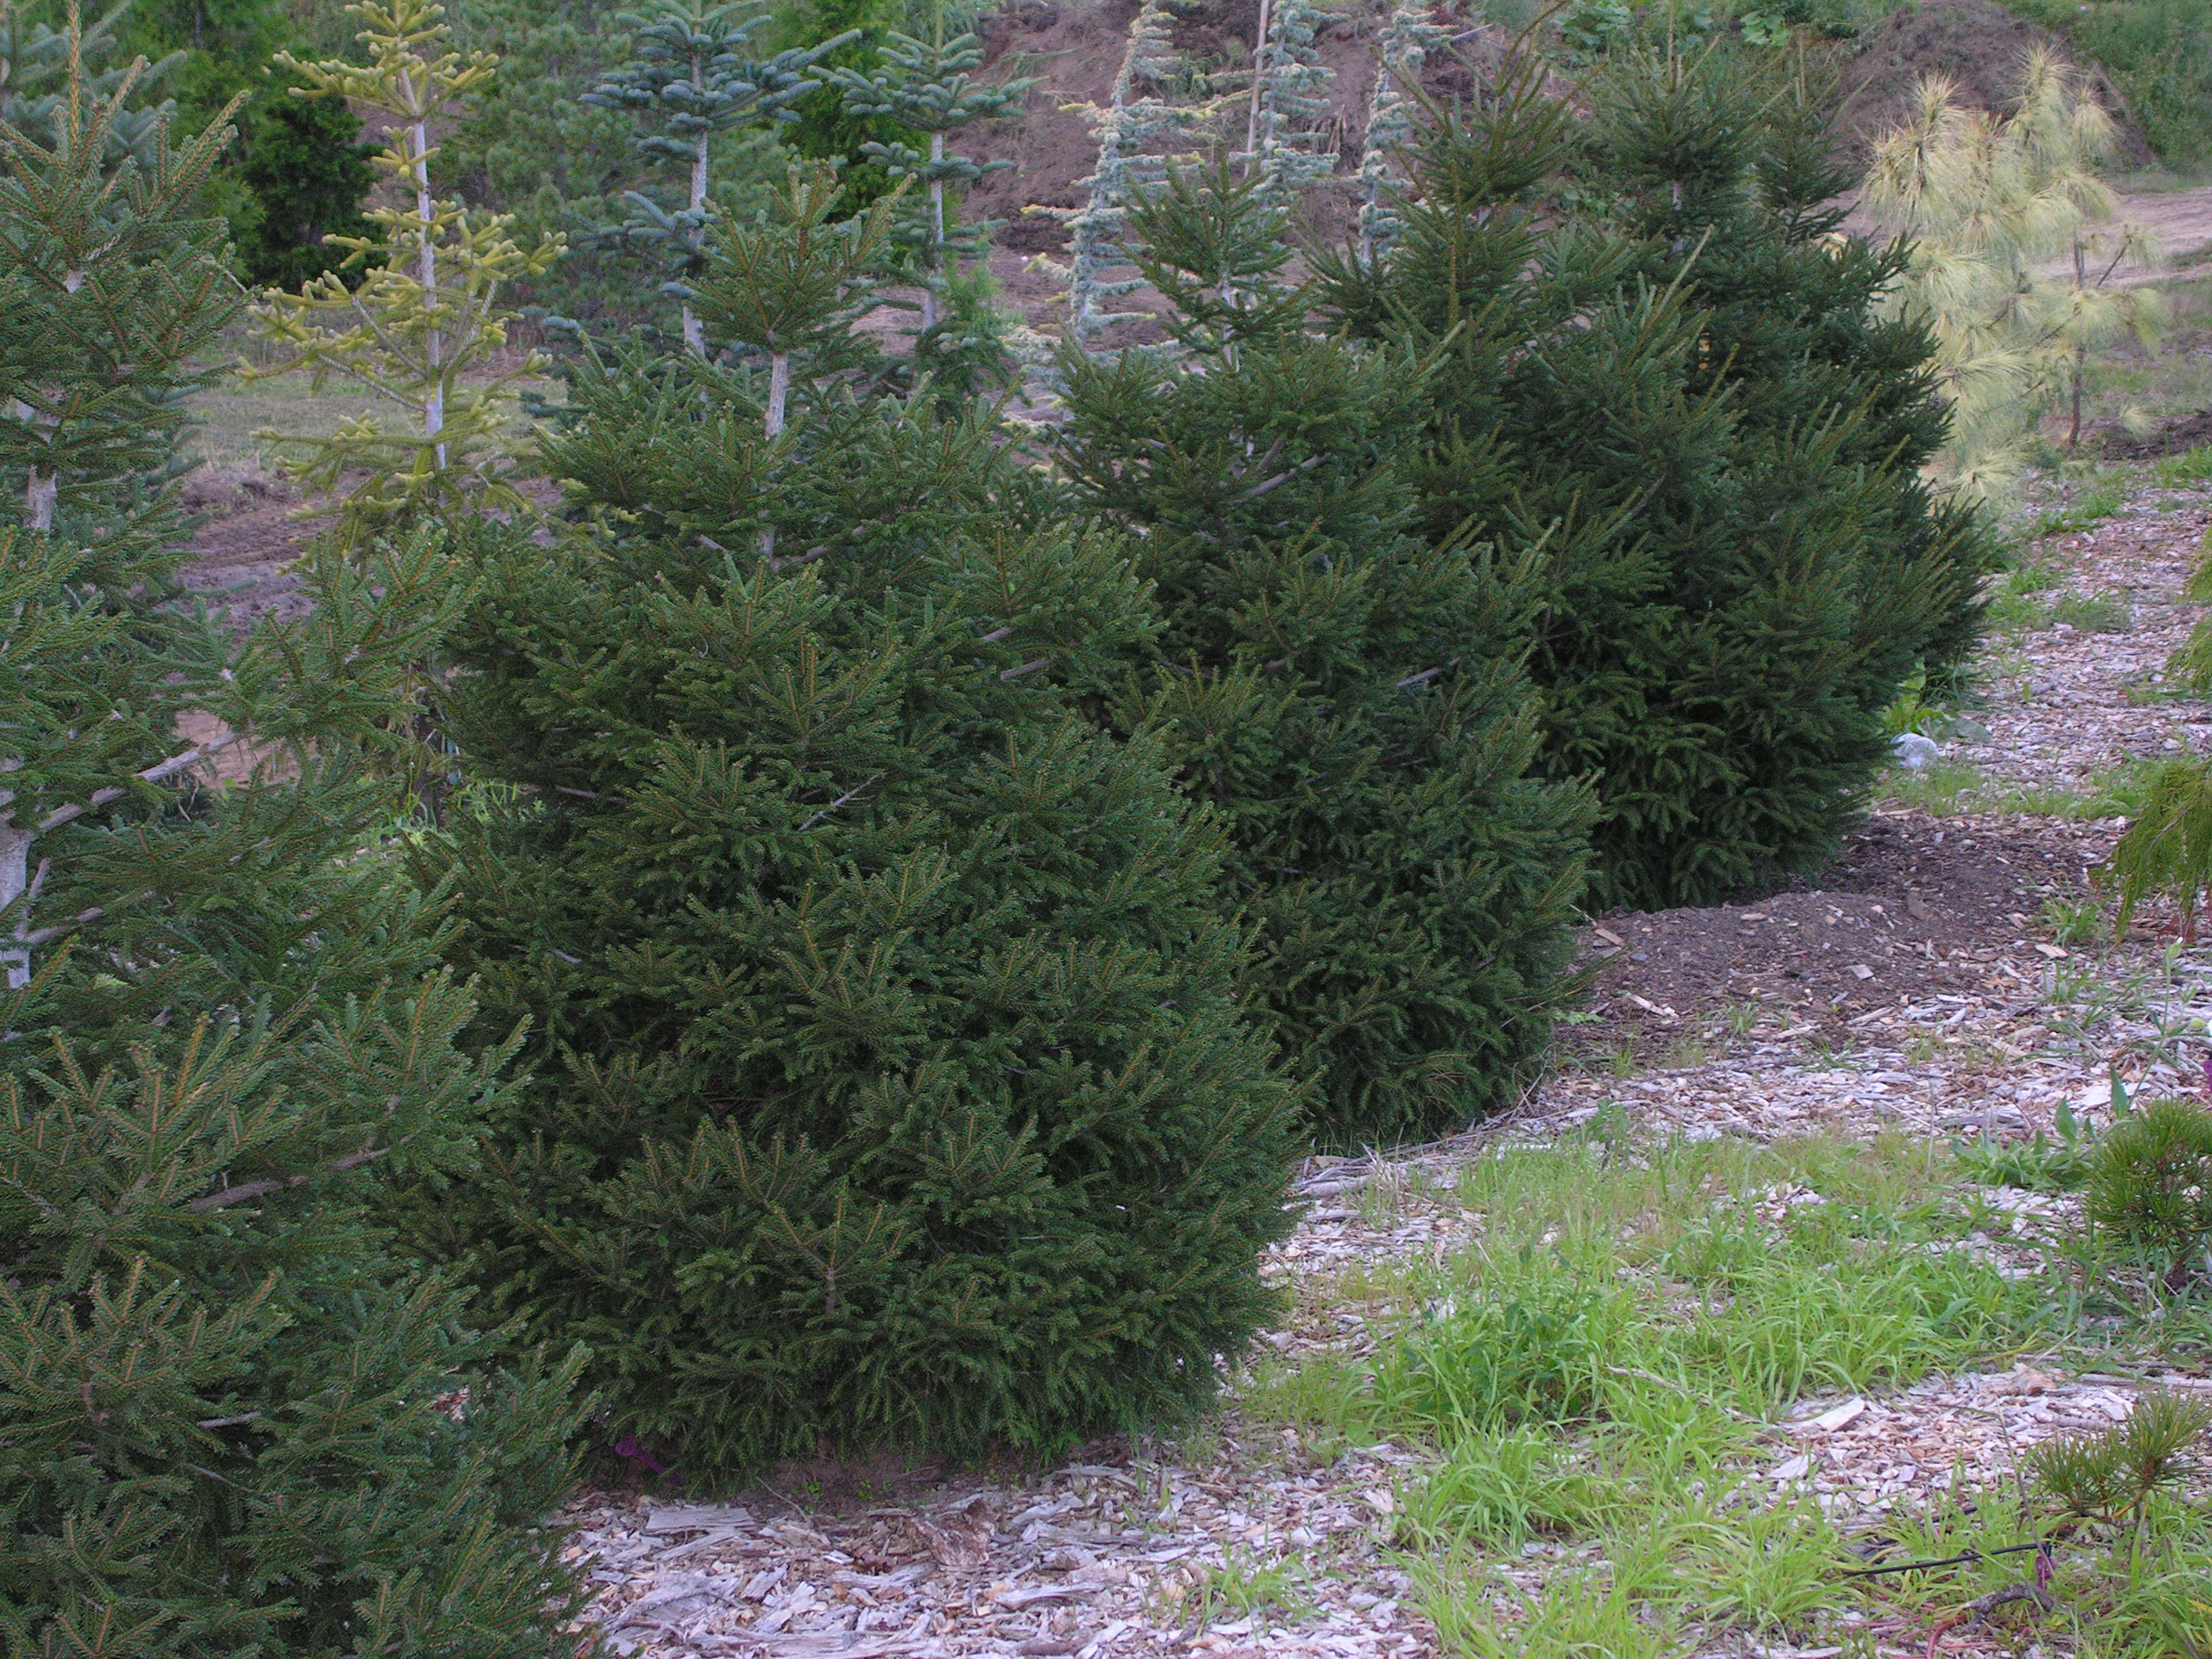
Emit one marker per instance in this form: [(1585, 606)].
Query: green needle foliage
[(308, 173), (108, 289), (2166, 853), (690, 69), (2112, 1476), (231, 1420), (1678, 401), (41, 64), (1344, 693), (925, 87), (892, 1080), (2150, 1184)]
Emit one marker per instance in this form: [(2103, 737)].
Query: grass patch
[(1947, 788), (2083, 506), (226, 417), (1597, 1380), (2186, 471), (1602, 1370), (2093, 613), (1941, 788)]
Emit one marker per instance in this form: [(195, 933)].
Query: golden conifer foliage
[(424, 327), (2015, 257)]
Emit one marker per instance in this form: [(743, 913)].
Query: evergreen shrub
[(1346, 694), (893, 1082), (1665, 385), (231, 1420), (306, 171)]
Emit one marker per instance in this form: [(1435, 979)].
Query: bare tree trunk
[(425, 272), (779, 393), (1259, 79), (695, 331), (936, 235), (14, 884)]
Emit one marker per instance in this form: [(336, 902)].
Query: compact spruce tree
[(230, 1420), (1346, 694), (924, 87), (892, 1081), (690, 70), (1684, 407)]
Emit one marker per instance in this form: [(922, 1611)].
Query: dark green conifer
[(1681, 404), (892, 1082), (231, 1422), (1346, 694)]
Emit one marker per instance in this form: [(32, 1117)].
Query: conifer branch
[(250, 1190)]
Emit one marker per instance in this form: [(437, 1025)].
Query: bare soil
[(1912, 908), (1976, 46)]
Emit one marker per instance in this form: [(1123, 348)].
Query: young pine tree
[(424, 323), (925, 87), (230, 1420), (892, 1083), (1346, 694), (1987, 202), (307, 174), (690, 69)]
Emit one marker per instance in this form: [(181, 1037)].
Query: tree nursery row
[(829, 929)]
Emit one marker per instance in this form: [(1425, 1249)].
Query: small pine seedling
[(2150, 1183), (2110, 1476), (2168, 851)]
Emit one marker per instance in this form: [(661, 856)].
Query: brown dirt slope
[(1976, 45)]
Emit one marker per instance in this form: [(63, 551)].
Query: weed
[(1253, 1590), (1741, 1017), (1688, 1053), (1576, 1616), (2093, 613), (1770, 1570), (1909, 711), (2183, 471), (1624, 1057), (1939, 788), (2042, 1165), (2099, 499), (2073, 921)]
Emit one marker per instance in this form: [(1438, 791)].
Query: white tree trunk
[(779, 392), (1259, 79), (425, 272), (936, 235), (39, 493), (14, 881), (695, 332)]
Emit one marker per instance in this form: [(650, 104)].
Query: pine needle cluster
[(2011, 257)]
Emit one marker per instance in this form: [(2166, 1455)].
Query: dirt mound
[(1976, 46), (1913, 908)]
